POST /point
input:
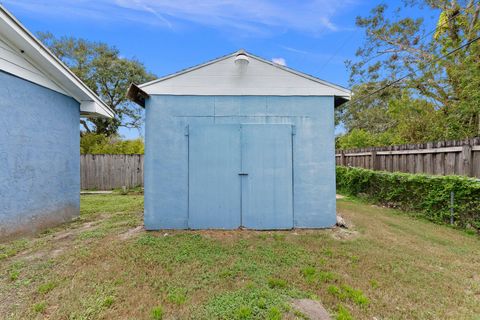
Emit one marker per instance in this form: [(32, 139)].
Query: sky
[(311, 36)]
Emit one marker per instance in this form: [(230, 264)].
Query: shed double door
[(240, 176)]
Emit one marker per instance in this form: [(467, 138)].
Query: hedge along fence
[(427, 195)]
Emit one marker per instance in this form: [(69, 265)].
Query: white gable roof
[(24, 56), (223, 76)]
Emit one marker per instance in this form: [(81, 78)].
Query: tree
[(102, 68), (441, 89), (92, 143)]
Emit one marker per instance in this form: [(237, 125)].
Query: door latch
[(243, 174)]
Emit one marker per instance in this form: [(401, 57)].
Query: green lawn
[(102, 266)]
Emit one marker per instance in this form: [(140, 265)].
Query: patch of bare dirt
[(311, 308), (344, 234), (60, 242), (131, 233)]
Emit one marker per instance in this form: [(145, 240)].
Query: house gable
[(224, 76)]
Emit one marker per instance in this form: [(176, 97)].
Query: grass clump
[(275, 283), (108, 302), (348, 293), (157, 313), (274, 314), (311, 275), (343, 313), (247, 303), (177, 296), (39, 307), (46, 287)]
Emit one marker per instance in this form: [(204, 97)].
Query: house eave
[(35, 52), (137, 95)]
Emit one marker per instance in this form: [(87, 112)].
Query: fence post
[(342, 158), (467, 160), (374, 160)]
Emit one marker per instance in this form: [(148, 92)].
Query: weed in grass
[(356, 295), (374, 283), (348, 293), (157, 313), (108, 301), (343, 313), (262, 303), (177, 296), (308, 272), (274, 314), (39, 307), (14, 274), (312, 276), (259, 300), (262, 236), (278, 237), (334, 291), (12, 248), (243, 313), (328, 253), (326, 276), (277, 283), (46, 287)]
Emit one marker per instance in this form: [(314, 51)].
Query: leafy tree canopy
[(108, 74), (439, 99), (92, 143)]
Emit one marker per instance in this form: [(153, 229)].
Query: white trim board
[(223, 76), (18, 65), (23, 55)]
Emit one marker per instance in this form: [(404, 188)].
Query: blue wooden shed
[(239, 141), (41, 102)]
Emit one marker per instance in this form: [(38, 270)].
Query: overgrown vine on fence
[(425, 194)]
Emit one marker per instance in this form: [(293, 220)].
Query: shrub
[(427, 195), (92, 143)]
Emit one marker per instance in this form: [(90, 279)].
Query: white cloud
[(250, 16), (280, 61)]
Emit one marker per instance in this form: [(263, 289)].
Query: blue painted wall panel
[(267, 195), (166, 158), (39, 157), (214, 183)]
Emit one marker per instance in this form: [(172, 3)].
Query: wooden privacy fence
[(110, 171), (439, 158)]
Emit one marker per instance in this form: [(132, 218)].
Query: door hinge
[(294, 130), (187, 131)]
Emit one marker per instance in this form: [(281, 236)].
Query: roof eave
[(92, 109), (51, 65), (137, 95), (339, 100)]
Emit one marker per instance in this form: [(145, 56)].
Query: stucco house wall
[(41, 101), (166, 151), (39, 157)]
